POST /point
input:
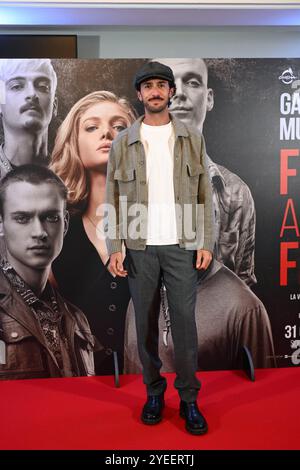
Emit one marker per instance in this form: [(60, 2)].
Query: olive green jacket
[(127, 192)]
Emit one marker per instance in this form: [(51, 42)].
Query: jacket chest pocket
[(127, 183), (23, 355), (193, 178)]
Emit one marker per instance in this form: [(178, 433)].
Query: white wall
[(129, 42), (200, 42)]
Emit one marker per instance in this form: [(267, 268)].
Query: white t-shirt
[(159, 143)]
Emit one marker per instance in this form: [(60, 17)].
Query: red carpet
[(90, 413)]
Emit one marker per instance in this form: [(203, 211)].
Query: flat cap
[(154, 70)]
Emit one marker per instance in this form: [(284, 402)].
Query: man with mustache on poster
[(233, 202), (43, 335), (27, 105), (160, 164)]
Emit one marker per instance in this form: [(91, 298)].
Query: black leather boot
[(195, 422), (152, 411)]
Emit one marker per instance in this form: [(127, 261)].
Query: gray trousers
[(177, 267)]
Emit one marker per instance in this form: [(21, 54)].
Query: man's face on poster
[(193, 98), (29, 100), (33, 224)]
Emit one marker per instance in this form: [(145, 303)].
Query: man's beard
[(155, 109)]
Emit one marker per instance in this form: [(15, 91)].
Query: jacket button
[(108, 351), (14, 334), (110, 331), (112, 308), (113, 285)]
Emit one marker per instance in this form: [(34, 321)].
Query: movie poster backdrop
[(253, 131)]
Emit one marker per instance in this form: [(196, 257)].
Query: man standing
[(42, 334), (27, 106), (160, 164), (233, 202)]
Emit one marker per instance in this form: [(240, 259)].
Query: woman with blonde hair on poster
[(80, 158)]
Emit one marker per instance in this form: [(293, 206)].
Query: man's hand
[(204, 258), (115, 266)]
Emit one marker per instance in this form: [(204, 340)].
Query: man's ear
[(139, 95), (55, 106), (1, 227), (66, 221), (172, 92), (210, 99)]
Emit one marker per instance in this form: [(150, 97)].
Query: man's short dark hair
[(33, 174)]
